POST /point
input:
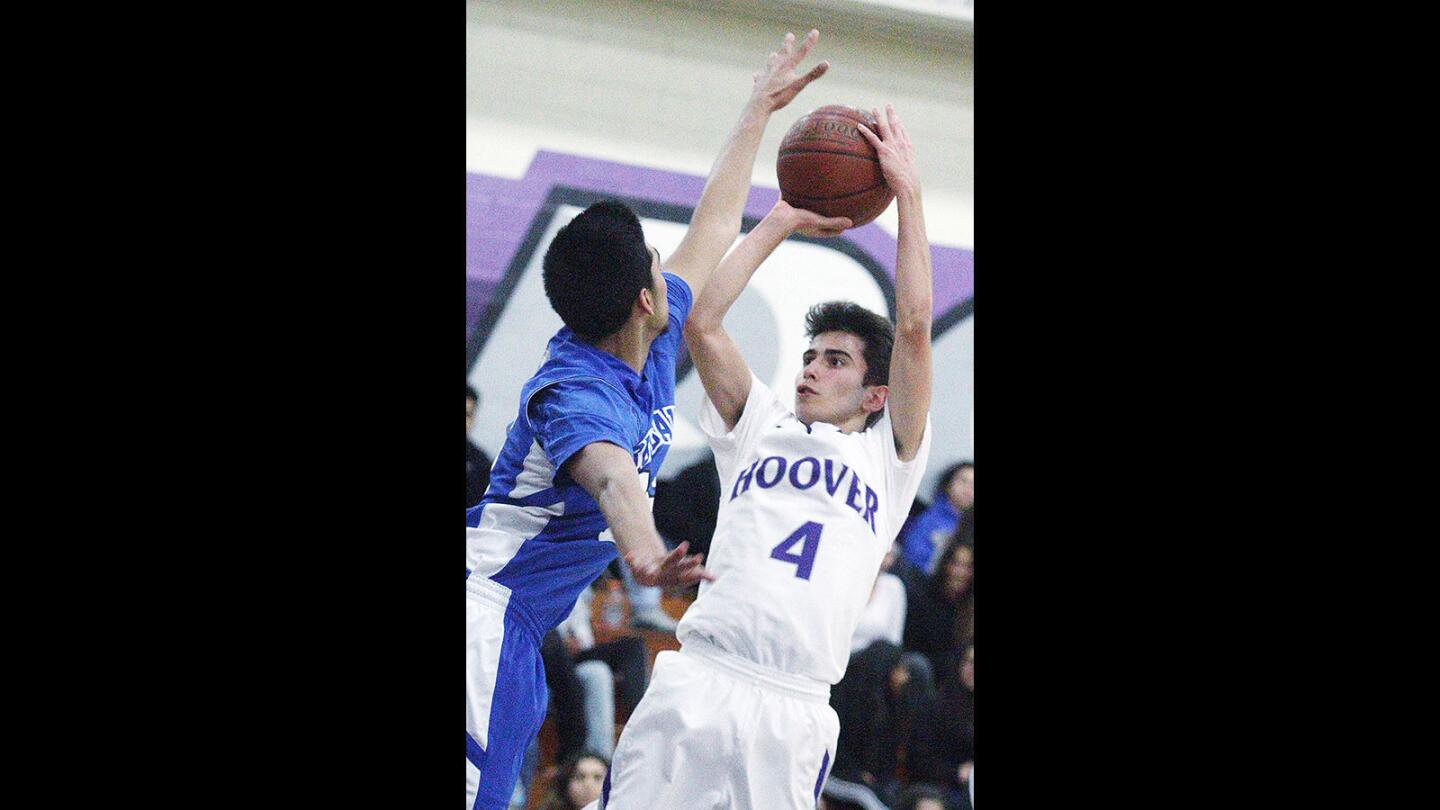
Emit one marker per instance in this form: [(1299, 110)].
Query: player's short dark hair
[(875, 331), (595, 267), (471, 393)]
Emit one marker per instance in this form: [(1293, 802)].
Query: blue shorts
[(505, 692)]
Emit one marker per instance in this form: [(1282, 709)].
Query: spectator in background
[(569, 702), (965, 529), (941, 618), (613, 673), (924, 797), (477, 464), (686, 507), (578, 782), (883, 618), (944, 747), (879, 703), (954, 494)]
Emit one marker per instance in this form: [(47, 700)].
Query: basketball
[(828, 167)]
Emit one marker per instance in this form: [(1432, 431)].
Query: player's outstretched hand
[(897, 155), (777, 85), (673, 570), (809, 223)]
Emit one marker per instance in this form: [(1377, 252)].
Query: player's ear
[(875, 396), (646, 301)]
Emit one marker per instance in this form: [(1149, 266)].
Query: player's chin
[(803, 411)]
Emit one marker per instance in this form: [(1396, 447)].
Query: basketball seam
[(841, 197), (827, 152)]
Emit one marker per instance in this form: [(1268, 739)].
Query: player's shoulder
[(676, 284), (562, 389), (573, 362), (880, 440)]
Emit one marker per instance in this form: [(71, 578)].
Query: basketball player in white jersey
[(739, 717)]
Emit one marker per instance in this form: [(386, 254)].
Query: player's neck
[(853, 424), (631, 344)]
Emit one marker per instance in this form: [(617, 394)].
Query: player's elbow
[(913, 327), (700, 325), (713, 228), (608, 490)]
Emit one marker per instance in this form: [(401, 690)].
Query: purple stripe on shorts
[(819, 782), (605, 788)]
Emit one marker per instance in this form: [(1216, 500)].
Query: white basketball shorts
[(718, 731)]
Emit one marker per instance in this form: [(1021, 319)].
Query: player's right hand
[(776, 85), (897, 154), (809, 223), (672, 570)]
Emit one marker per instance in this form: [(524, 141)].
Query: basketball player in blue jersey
[(575, 477), (811, 500)]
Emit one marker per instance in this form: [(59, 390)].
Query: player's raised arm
[(716, 222), (910, 375), (717, 359), (607, 472)]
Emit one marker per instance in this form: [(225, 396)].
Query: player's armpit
[(722, 369)]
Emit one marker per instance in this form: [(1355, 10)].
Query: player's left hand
[(777, 85), (897, 155), (672, 570)]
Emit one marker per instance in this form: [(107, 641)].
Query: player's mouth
[(805, 390)]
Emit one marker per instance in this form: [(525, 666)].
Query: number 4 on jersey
[(805, 560)]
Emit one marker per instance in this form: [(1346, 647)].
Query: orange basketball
[(828, 167)]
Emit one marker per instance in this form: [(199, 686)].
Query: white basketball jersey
[(806, 516)]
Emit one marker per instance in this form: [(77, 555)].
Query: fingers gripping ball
[(828, 167)]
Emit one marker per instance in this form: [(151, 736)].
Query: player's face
[(962, 489), (831, 385), (959, 572), (469, 416), (584, 786)]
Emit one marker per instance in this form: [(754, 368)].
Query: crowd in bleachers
[(906, 703)]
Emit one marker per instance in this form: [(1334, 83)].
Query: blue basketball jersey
[(536, 531)]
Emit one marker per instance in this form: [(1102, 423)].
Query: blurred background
[(568, 101)]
